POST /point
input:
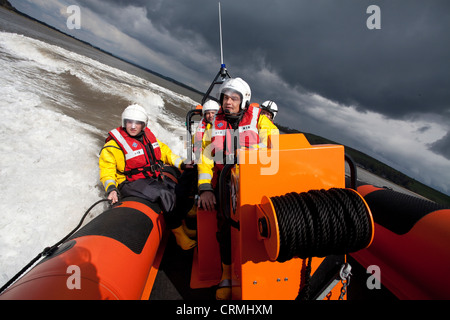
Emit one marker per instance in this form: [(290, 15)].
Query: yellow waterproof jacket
[(206, 165), (200, 145), (112, 163)]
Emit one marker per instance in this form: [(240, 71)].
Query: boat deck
[(172, 281)]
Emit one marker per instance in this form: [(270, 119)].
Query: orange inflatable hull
[(410, 246), (115, 256)]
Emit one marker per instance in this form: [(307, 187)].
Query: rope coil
[(318, 223)]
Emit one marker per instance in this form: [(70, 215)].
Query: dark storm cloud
[(322, 47), (384, 92), (325, 47), (442, 146), (175, 23)]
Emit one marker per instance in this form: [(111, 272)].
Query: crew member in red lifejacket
[(203, 132), (133, 162), (237, 125)]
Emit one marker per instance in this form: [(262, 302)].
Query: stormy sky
[(384, 91)]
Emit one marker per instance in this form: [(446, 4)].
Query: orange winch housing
[(291, 164)]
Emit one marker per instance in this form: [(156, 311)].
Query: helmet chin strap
[(233, 116)]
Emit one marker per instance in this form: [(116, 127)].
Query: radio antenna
[(223, 73), (220, 30)]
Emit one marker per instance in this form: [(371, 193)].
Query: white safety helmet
[(210, 105), (239, 86), (134, 112), (271, 107)]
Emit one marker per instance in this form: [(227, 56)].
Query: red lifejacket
[(142, 159), (222, 132)]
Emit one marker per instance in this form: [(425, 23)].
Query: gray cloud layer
[(385, 92), (323, 46)]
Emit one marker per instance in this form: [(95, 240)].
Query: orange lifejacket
[(142, 159)]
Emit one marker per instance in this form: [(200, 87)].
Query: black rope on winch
[(320, 223)]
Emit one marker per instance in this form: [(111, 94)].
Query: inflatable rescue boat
[(292, 239), (298, 232)]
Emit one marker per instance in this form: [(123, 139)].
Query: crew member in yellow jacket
[(188, 186), (203, 132), (236, 117), (133, 162), (238, 124)]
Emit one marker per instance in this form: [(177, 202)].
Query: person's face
[(267, 114), (231, 102), (209, 116), (133, 127)]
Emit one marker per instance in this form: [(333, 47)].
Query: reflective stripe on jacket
[(222, 133)]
